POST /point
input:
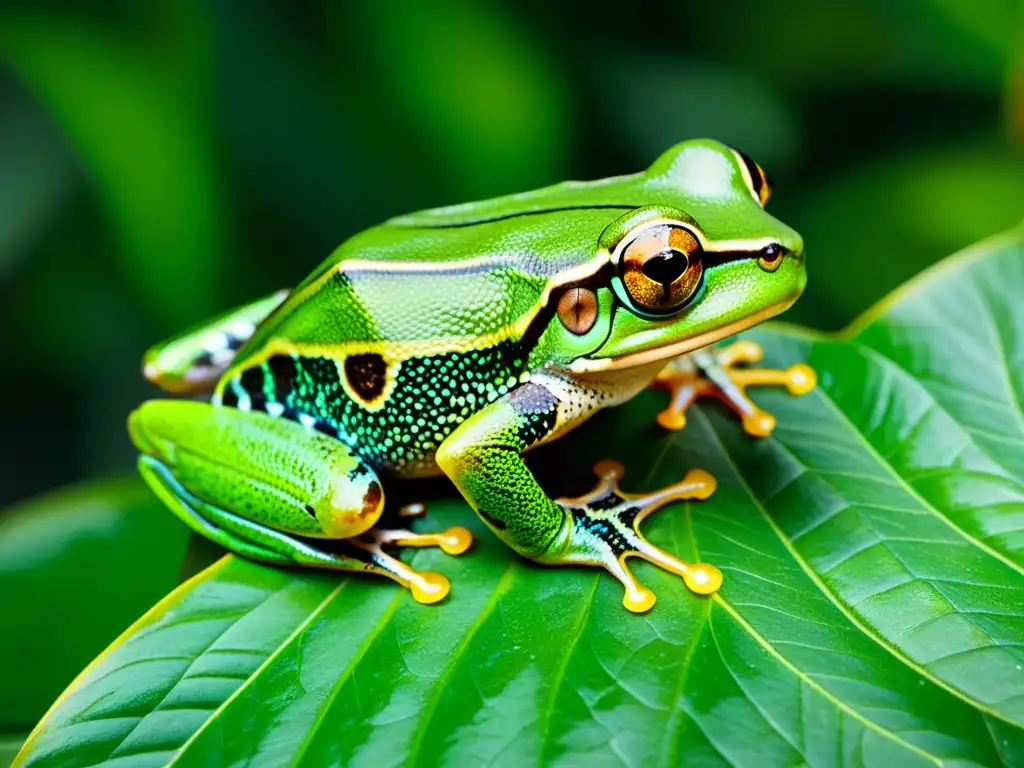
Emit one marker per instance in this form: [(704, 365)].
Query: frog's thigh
[(255, 485), (270, 471)]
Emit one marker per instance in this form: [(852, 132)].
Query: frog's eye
[(755, 178), (771, 257), (662, 267), (577, 309)]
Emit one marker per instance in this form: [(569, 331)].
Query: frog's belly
[(581, 396)]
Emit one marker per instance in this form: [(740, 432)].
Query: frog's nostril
[(665, 266)]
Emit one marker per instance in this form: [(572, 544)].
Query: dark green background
[(162, 161)]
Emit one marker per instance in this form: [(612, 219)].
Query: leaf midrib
[(443, 679), (345, 674), (823, 692), (671, 754), (755, 635), (552, 698), (161, 606), (185, 672)]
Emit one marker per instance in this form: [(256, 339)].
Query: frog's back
[(475, 270)]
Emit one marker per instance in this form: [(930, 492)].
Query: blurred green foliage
[(161, 161)]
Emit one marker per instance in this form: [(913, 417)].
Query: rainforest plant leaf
[(872, 611)]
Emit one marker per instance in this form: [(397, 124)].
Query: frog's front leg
[(483, 459), (269, 489), (192, 362), (714, 373)]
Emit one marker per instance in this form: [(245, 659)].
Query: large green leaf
[(75, 566), (872, 611)]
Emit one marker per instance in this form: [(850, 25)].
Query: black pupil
[(771, 253), (664, 267)]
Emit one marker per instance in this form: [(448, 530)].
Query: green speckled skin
[(484, 461), (295, 482), (441, 341)]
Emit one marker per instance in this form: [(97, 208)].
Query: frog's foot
[(605, 532), (714, 373), (453, 541), (426, 587)]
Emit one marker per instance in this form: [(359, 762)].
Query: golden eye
[(662, 267), (755, 178), (577, 309)]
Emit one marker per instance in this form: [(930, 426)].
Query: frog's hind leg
[(256, 542), (192, 362), (714, 373), (272, 490)]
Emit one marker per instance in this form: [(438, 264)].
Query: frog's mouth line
[(647, 356)]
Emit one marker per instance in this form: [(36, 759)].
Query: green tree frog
[(456, 339)]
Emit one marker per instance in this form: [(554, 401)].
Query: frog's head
[(699, 261)]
